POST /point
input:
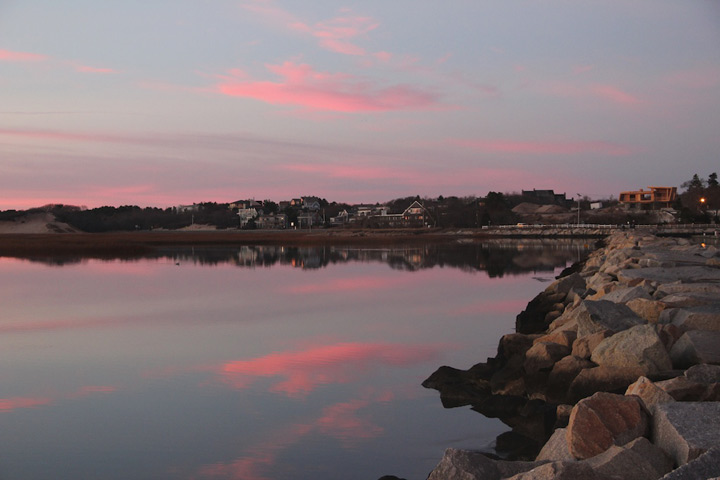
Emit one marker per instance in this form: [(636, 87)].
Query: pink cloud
[(345, 171), (694, 79), (304, 370), (305, 87), (544, 148), (334, 35), (9, 56), (88, 69), (614, 94), (580, 69)]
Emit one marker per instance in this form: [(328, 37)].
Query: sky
[(167, 102)]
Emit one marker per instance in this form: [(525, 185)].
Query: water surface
[(255, 362)]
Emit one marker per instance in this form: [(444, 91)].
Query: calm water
[(252, 363)]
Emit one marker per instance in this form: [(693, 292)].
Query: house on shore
[(654, 198)]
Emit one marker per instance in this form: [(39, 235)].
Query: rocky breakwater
[(614, 372)]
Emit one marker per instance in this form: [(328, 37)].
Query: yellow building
[(660, 197)]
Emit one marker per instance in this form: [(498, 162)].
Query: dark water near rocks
[(253, 363)]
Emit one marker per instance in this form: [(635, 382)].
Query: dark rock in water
[(532, 319), (515, 446), (458, 387), (390, 477)]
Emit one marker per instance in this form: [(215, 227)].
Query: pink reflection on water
[(345, 285), (340, 363), (340, 420), (512, 307), (14, 403)]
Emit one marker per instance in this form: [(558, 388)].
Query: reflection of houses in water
[(497, 258)]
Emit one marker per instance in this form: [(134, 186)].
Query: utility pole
[(578, 220)]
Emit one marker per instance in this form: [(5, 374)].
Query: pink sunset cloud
[(302, 86), (334, 35), (9, 56), (544, 148), (88, 69), (302, 371), (614, 94)]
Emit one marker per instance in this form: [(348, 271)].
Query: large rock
[(657, 458), (648, 310), (563, 337), (650, 393), (686, 430), (543, 355), (703, 373), (470, 465), (691, 274), (513, 344), (556, 449), (603, 420), (561, 471), (565, 371), (682, 389), (703, 317), (619, 462), (565, 284), (706, 466), (624, 295), (596, 316), (639, 345), (675, 288), (583, 347), (602, 379), (689, 299), (696, 346)]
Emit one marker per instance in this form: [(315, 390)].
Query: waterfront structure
[(655, 197)]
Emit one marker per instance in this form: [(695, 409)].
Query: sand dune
[(36, 223)]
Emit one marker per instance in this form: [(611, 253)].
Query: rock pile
[(614, 371)]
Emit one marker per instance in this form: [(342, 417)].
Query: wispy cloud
[(336, 35), (614, 94), (303, 86), (543, 148), (88, 69), (10, 56)]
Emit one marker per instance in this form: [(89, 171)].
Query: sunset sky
[(165, 102)]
